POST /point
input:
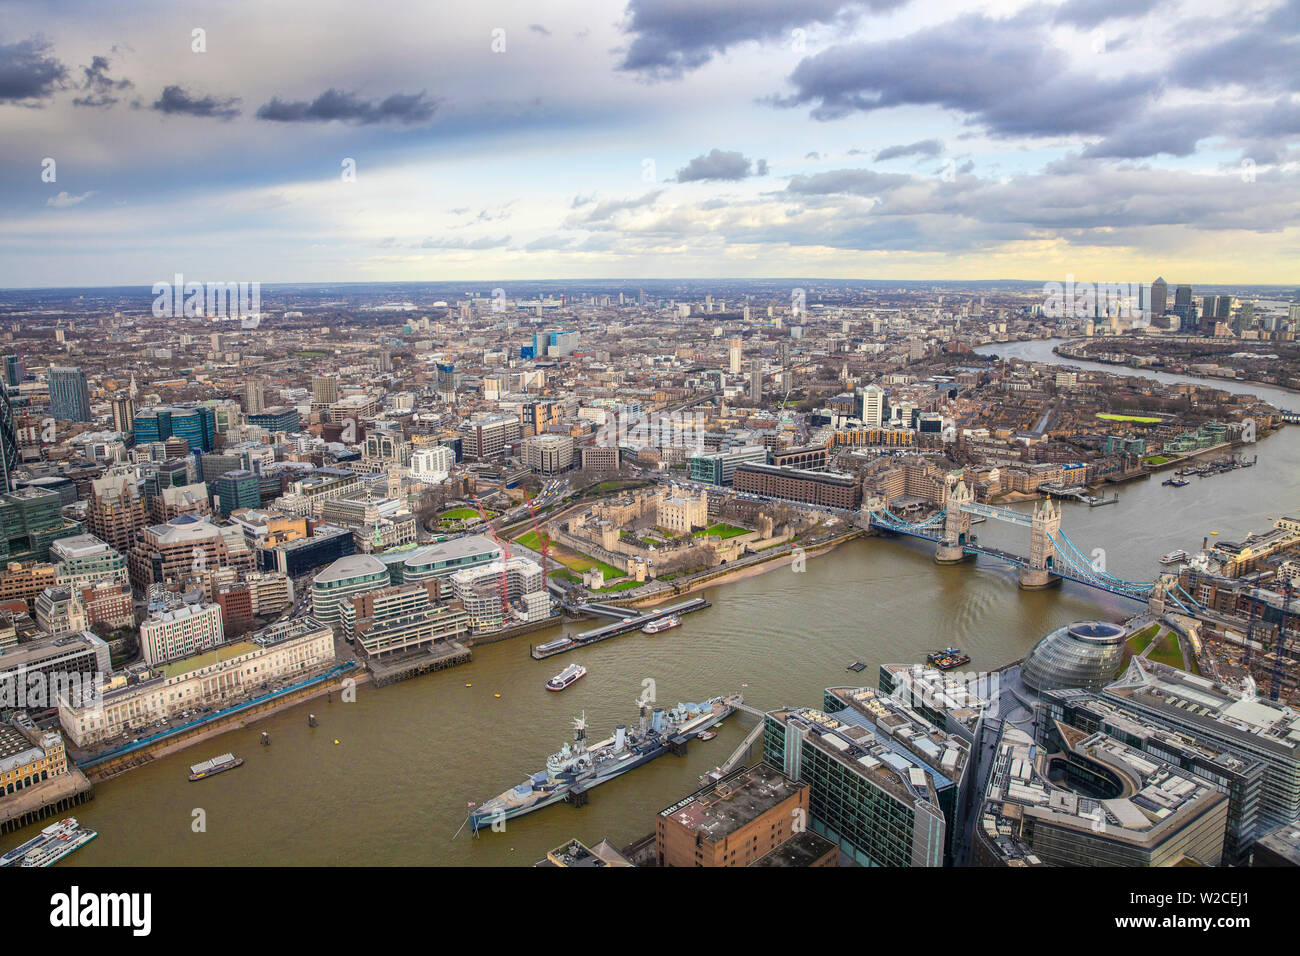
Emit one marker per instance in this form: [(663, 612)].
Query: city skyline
[(835, 139)]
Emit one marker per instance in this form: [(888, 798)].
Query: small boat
[(570, 675), (1175, 482), (1174, 557), (705, 735), (208, 768), (947, 659), (663, 624)]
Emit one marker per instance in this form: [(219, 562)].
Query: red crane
[(505, 559), (542, 541)]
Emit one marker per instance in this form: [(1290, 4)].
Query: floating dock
[(623, 626)]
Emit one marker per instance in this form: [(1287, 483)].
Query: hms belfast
[(582, 766)]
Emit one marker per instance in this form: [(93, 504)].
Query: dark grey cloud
[(724, 165), (1004, 75), (98, 88), (176, 100), (337, 105), (672, 37), (923, 147), (29, 72), (1092, 13), (1263, 55)]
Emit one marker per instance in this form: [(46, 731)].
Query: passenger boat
[(663, 624), (1174, 557), (52, 832), (68, 836), (208, 768), (570, 675)]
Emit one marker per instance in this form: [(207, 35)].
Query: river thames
[(410, 757)]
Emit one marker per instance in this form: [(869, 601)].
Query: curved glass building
[(1084, 654)]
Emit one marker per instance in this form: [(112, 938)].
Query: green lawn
[(721, 530), (1139, 641), (1167, 652), (1112, 417), (618, 586), (1156, 460), (458, 514)]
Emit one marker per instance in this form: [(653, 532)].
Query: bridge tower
[(956, 527), (1042, 552)]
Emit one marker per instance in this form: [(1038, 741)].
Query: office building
[(402, 619), (829, 489), (717, 468), (1239, 776), (342, 580), (479, 590), (324, 391), (234, 490), (84, 560), (254, 396), (9, 453), (886, 786), (548, 454), (30, 521), (115, 510), (180, 632), (186, 549), (1094, 802), (69, 394), (431, 464), (123, 415), (31, 673), (871, 406), (756, 380), (1223, 718), (196, 424), (276, 419), (487, 436)]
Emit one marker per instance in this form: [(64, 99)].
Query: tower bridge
[(1052, 556)]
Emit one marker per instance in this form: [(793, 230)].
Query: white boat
[(663, 624), (570, 675), (52, 832), (1174, 557)]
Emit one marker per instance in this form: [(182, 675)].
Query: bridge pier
[(946, 552), (1036, 579)]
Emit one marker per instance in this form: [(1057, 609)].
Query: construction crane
[(505, 560), (1276, 686), (542, 542)]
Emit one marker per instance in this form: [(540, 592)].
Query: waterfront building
[(1239, 776), (742, 819), (1094, 802), (29, 756), (1222, 717), (289, 650), (887, 786), (180, 632), (479, 590), (955, 703), (402, 619), (346, 577), (1084, 654)]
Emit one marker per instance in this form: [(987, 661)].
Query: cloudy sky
[(389, 140)]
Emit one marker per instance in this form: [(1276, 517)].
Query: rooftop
[(731, 803)]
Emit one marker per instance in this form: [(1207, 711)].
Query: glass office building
[(1085, 654)]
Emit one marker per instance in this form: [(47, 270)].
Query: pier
[(437, 658), (621, 626)]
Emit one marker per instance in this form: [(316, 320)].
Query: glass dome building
[(1084, 654)]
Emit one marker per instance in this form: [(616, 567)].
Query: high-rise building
[(123, 415), (13, 371), (180, 632), (1159, 295), (69, 394), (8, 441), (756, 380), (115, 511), (196, 424), (254, 396), (735, 351), (872, 406), (324, 390)]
